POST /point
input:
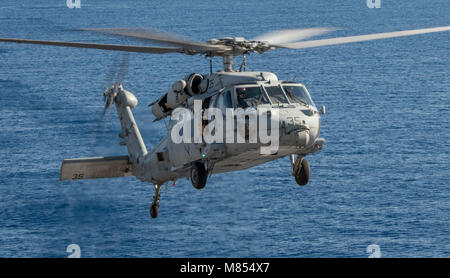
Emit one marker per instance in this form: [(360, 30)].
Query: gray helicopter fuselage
[(298, 127), (294, 119)]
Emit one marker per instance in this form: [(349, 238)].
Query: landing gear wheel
[(301, 171), (199, 175)]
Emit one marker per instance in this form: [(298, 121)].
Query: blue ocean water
[(382, 178)]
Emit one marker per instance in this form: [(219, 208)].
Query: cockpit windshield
[(276, 95), (298, 94), (250, 97)]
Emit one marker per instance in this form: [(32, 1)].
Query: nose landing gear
[(300, 170)]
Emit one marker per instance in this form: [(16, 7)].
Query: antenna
[(244, 63), (210, 65)]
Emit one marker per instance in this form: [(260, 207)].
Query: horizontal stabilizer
[(95, 168)]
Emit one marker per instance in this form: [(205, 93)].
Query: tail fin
[(95, 168), (117, 166), (125, 101)]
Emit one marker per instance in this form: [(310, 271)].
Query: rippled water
[(382, 177)]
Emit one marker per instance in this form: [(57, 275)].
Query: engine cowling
[(193, 84), (180, 91)]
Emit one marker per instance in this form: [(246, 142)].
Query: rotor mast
[(228, 63)]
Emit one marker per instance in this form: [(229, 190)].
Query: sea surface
[(382, 177)]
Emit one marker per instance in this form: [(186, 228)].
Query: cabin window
[(160, 156)]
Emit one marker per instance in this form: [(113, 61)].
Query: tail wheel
[(199, 175), (154, 209), (303, 172)]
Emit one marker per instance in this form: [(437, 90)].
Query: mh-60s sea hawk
[(297, 118)]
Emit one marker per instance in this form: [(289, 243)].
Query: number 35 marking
[(78, 176)]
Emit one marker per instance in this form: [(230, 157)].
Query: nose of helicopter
[(299, 127)]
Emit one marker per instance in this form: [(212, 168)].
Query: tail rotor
[(115, 78), (116, 74)]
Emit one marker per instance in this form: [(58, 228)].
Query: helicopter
[(198, 104)]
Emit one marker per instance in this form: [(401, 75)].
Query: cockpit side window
[(276, 95), (250, 97), (298, 94)]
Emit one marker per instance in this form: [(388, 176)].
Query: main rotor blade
[(161, 37), (342, 40), (292, 35), (116, 47)]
